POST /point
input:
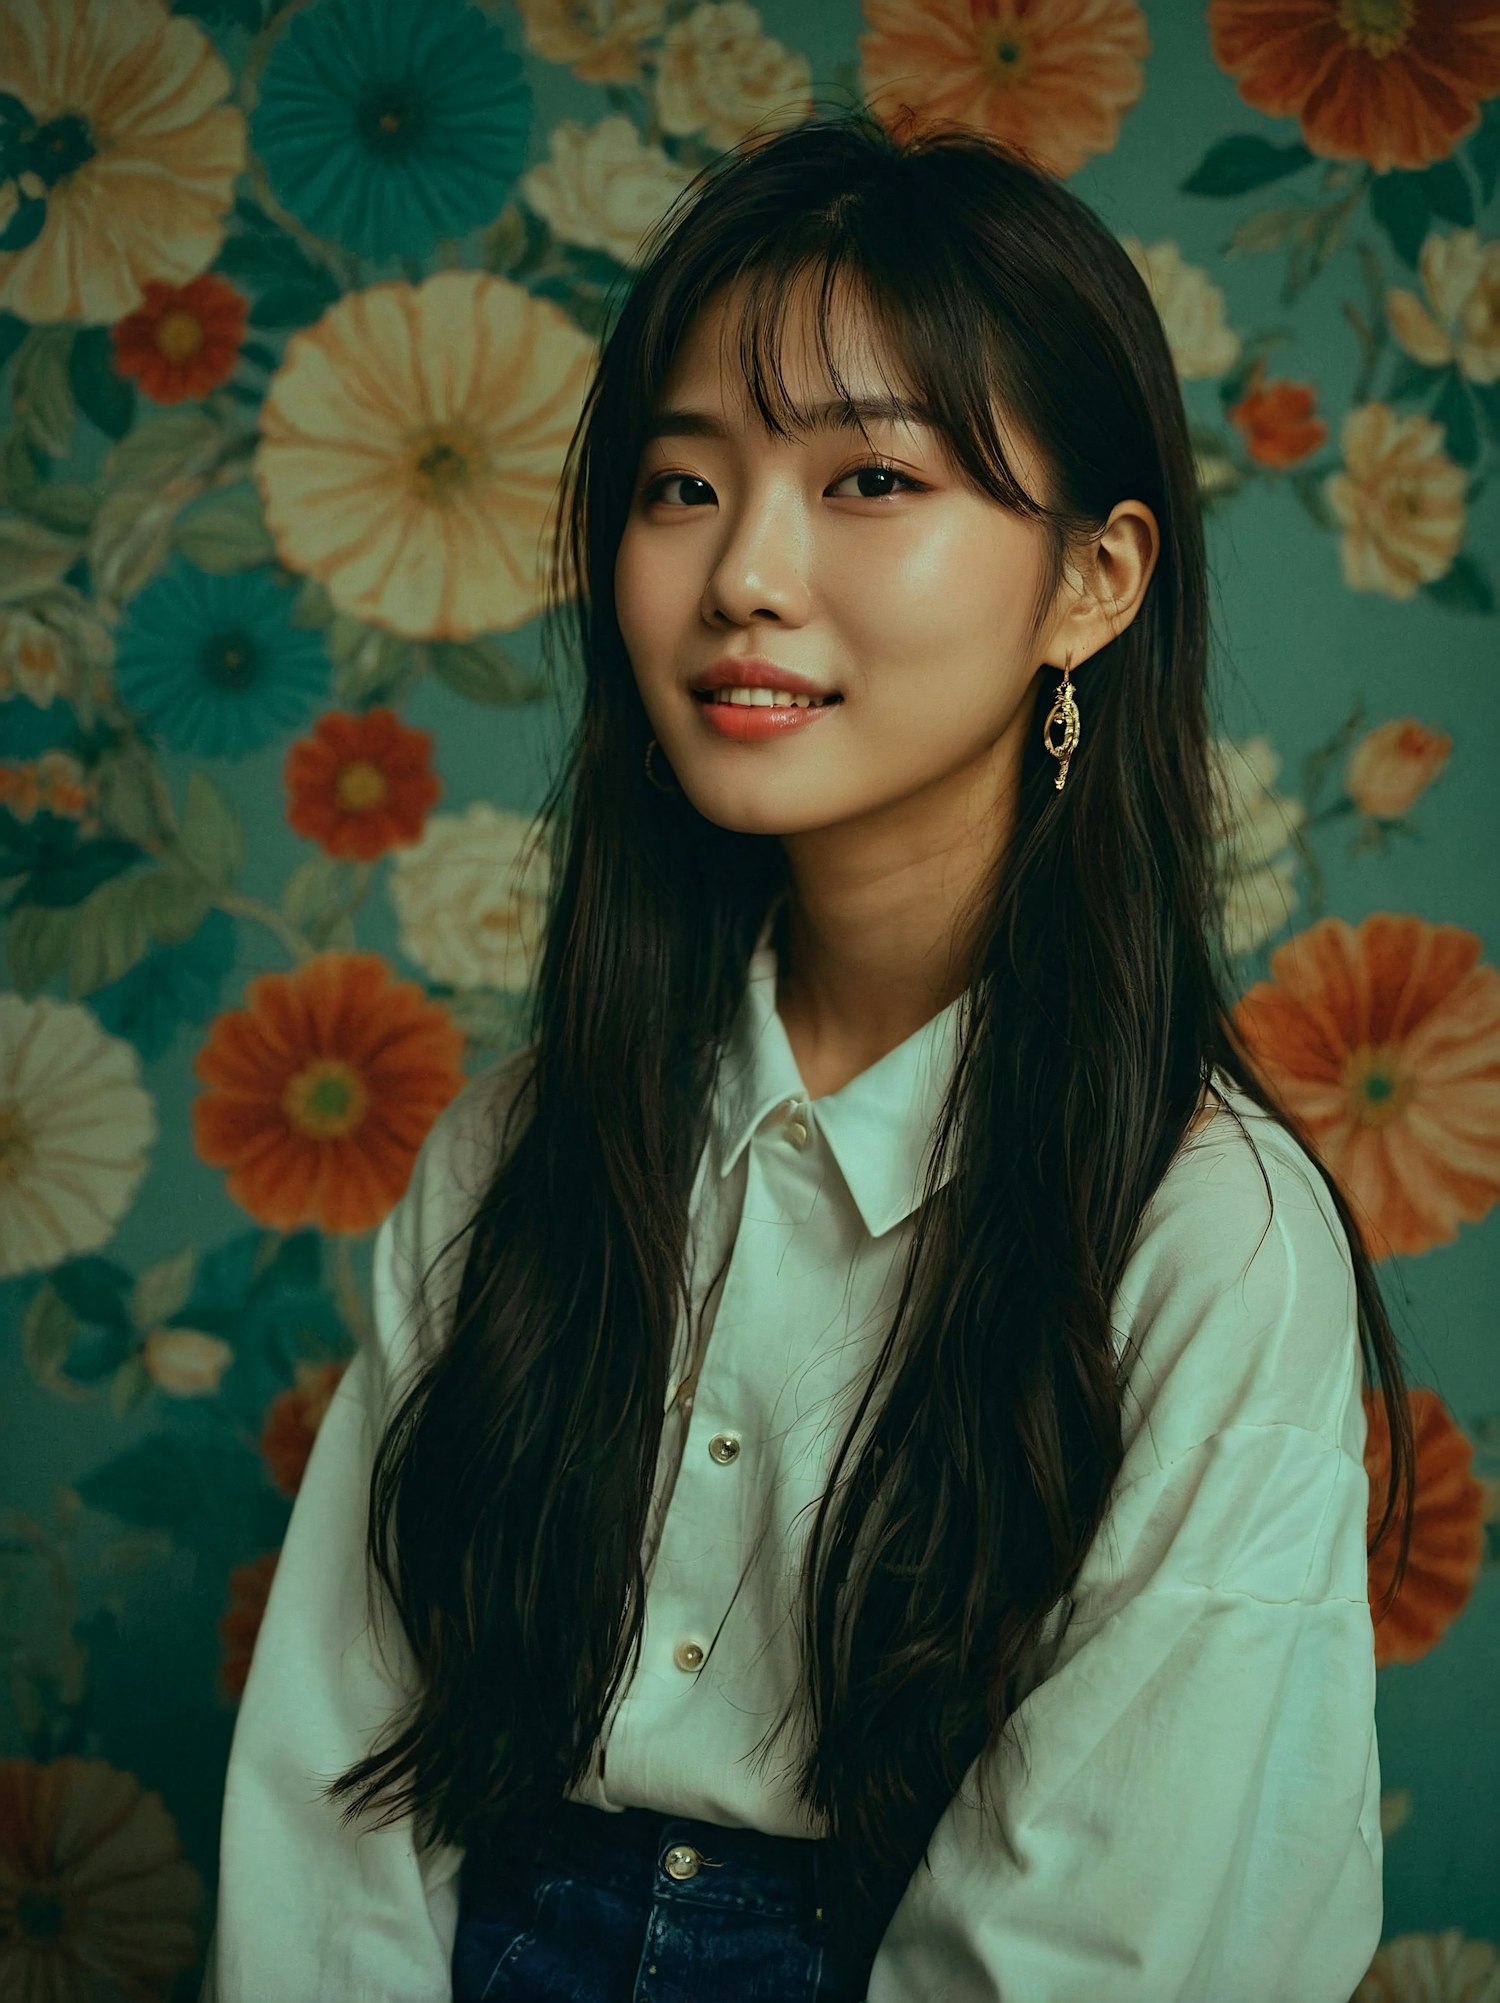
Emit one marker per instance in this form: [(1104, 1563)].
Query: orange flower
[(183, 340), (322, 1089), (292, 1421), (1383, 1042), (1447, 1535), (239, 1624), (98, 1898), (1278, 422), (1050, 76), (1397, 86), (360, 785), (1392, 764)]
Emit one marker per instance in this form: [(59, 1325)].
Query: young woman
[(863, 1439)]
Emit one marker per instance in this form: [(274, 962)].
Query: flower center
[(392, 121), (360, 785), (231, 660), (60, 147), (179, 334), (1379, 27), (445, 460), (1004, 53), (325, 1100), (1379, 1093)]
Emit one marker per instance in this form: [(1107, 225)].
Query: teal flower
[(384, 127), (214, 664)]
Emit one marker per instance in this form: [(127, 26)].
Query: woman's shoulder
[(1238, 1305)]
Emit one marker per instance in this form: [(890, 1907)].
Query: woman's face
[(908, 596)]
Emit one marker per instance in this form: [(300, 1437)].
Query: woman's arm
[(1192, 1812)]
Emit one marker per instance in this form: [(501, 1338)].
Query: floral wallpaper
[(298, 308)]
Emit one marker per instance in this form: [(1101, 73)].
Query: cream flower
[(75, 1126), (720, 75), (130, 102), (595, 38), (1255, 829), (1432, 1968), (1400, 498), (1191, 307), (1461, 278), (186, 1362), (471, 908), (602, 188), (410, 449)]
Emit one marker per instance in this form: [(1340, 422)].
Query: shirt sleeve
[(1189, 1804), (310, 1909)]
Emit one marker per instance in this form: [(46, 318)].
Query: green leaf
[(166, 1482), (38, 939), (41, 399), (210, 832), (162, 1290), (226, 531), (102, 393), (1242, 161), (1400, 207), (175, 903), (13, 332), (65, 505), (49, 1329), (109, 936), (292, 305), (161, 448), (128, 793), (31, 557), (482, 671), (321, 883), (1445, 189), (1464, 587), (1454, 411), (130, 1385)]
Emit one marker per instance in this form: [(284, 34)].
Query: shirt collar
[(878, 1127)]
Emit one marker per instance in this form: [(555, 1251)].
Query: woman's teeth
[(770, 698)]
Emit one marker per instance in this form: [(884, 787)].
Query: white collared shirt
[(1196, 1818)]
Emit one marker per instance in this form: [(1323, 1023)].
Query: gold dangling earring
[(652, 776), (1065, 710)]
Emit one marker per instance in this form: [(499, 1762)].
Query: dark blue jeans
[(634, 1907)]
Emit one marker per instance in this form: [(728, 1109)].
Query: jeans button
[(681, 1861)]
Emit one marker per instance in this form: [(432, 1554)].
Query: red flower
[(360, 785), (183, 340), (1278, 422)]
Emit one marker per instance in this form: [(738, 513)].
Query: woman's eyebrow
[(837, 414)]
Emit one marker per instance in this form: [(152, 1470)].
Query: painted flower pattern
[(721, 75), (471, 898), (76, 1129), (384, 128), (182, 340), (600, 187), (1392, 765), (1049, 75), (134, 144), (1383, 1040), (410, 445), (598, 40), (1396, 86), (217, 663), (1400, 499), (1447, 1541), (360, 785), (1191, 308), (1457, 320), (97, 1895), (321, 1089)]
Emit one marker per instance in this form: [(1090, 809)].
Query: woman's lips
[(750, 722)]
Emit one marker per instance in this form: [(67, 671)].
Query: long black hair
[(512, 1485)]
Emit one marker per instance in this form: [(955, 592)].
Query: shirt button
[(687, 1655), (724, 1447), (681, 1861), (796, 1131)]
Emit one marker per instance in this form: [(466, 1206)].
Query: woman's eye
[(654, 492)]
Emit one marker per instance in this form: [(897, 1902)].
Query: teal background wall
[(285, 293)]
